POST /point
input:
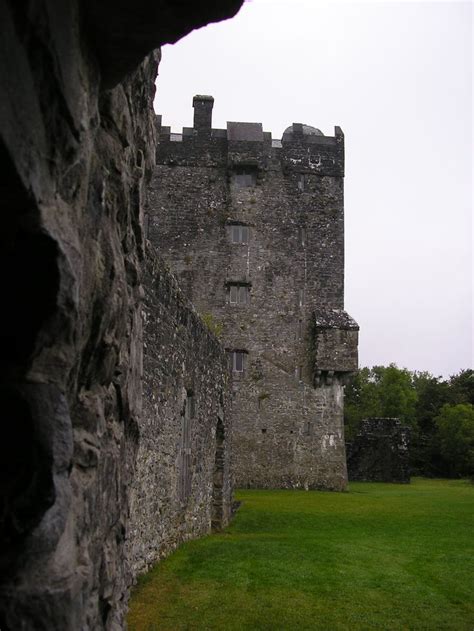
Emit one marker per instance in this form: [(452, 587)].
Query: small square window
[(239, 234), (237, 362), (245, 178), (238, 294)]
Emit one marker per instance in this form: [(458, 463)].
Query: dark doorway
[(218, 479), (185, 478)]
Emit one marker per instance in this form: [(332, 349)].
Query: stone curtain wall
[(185, 416), (76, 150), (288, 406), (380, 451)]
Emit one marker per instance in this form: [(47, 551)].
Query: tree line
[(439, 412)]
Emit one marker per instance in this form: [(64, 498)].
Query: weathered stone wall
[(182, 486), (74, 160), (71, 361), (380, 451), (296, 340)]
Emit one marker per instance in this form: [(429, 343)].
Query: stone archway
[(217, 516)]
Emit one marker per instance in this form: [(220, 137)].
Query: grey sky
[(397, 77)]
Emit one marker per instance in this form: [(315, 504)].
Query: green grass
[(378, 557)]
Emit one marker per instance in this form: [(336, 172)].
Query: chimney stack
[(203, 112)]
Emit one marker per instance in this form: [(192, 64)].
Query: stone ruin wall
[(183, 485), (76, 152), (380, 451), (298, 342)]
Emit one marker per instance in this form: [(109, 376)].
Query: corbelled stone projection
[(254, 230), (380, 451), (75, 158)]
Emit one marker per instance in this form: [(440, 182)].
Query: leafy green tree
[(461, 387), (360, 401), (379, 391), (397, 394), (455, 424), (417, 398), (432, 393)]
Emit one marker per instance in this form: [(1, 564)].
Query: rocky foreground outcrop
[(77, 144)]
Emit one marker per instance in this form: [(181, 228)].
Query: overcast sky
[(397, 77)]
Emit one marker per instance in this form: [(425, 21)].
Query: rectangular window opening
[(239, 234), (233, 294), (237, 361), (238, 294), (300, 329), (302, 236), (190, 406), (245, 178)]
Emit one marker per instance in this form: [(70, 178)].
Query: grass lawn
[(382, 556)]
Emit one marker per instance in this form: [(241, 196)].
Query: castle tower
[(254, 229)]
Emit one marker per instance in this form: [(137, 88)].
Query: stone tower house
[(254, 230)]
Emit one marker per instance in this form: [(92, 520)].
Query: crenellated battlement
[(302, 148)]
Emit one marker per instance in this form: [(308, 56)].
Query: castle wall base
[(287, 434)]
